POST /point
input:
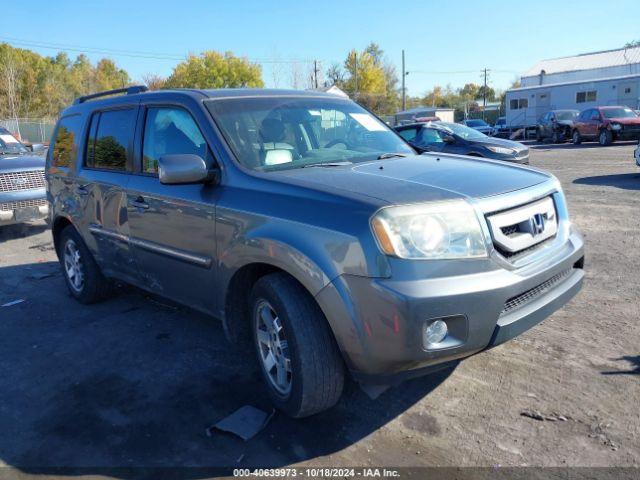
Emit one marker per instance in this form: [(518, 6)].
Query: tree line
[(36, 86)]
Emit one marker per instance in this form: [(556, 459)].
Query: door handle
[(139, 203)]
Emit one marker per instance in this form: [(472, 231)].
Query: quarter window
[(110, 137), (170, 131), (65, 145)]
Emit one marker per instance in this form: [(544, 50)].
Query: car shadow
[(133, 383), (22, 230), (625, 181), (635, 364)]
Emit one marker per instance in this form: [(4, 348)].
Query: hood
[(10, 163), (626, 120), (500, 142), (419, 178)]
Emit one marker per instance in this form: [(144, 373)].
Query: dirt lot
[(134, 382)]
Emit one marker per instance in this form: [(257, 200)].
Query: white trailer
[(525, 105)]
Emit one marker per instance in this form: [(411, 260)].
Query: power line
[(131, 53)]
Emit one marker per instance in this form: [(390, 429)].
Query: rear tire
[(576, 139), (605, 138), (81, 273), (298, 357)]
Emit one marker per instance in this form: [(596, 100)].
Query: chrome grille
[(520, 230), (530, 295), (23, 204), (10, 182)]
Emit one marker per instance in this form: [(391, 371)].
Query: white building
[(610, 77)]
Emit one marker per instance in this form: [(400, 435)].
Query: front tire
[(605, 138), (298, 357), (80, 271)]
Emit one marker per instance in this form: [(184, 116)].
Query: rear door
[(99, 190), (172, 227)]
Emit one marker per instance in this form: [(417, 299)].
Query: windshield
[(275, 133), (10, 144), (567, 115), (462, 131), (618, 113), (477, 123)]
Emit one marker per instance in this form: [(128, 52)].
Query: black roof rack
[(128, 90)]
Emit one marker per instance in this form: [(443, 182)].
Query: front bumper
[(23, 206), (379, 322)]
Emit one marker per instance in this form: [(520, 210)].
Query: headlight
[(438, 230), (616, 126), (502, 150)]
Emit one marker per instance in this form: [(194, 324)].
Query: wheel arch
[(57, 226)]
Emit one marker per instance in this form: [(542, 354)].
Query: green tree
[(215, 70)]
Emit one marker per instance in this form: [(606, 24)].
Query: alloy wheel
[(73, 266), (273, 348)]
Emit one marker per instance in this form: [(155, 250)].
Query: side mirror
[(184, 168), (448, 139)]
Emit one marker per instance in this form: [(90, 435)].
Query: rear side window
[(170, 131), (409, 134), (110, 138), (65, 145)]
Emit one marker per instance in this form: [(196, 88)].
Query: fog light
[(435, 332)]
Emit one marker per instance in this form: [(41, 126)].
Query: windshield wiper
[(327, 164), (391, 155)]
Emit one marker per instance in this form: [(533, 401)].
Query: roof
[(545, 86), (586, 61), (425, 109), (198, 94)]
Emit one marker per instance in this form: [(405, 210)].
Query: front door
[(172, 227)]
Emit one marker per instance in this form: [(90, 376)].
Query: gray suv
[(310, 229)]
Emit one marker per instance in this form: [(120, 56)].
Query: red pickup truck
[(606, 124)]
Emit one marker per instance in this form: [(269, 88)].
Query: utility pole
[(484, 93), (315, 73), (404, 96)]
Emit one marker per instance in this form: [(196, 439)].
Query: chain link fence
[(30, 130)]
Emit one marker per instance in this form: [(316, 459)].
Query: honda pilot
[(325, 246)]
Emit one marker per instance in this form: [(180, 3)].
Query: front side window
[(110, 137), (430, 136), (170, 131), (274, 133)]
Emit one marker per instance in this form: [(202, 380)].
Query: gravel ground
[(135, 381)]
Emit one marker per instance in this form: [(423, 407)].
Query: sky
[(445, 42)]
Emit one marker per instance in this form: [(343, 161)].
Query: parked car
[(427, 119), (310, 229), (22, 184), (479, 125), (556, 125), (455, 138), (500, 129), (606, 125)]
